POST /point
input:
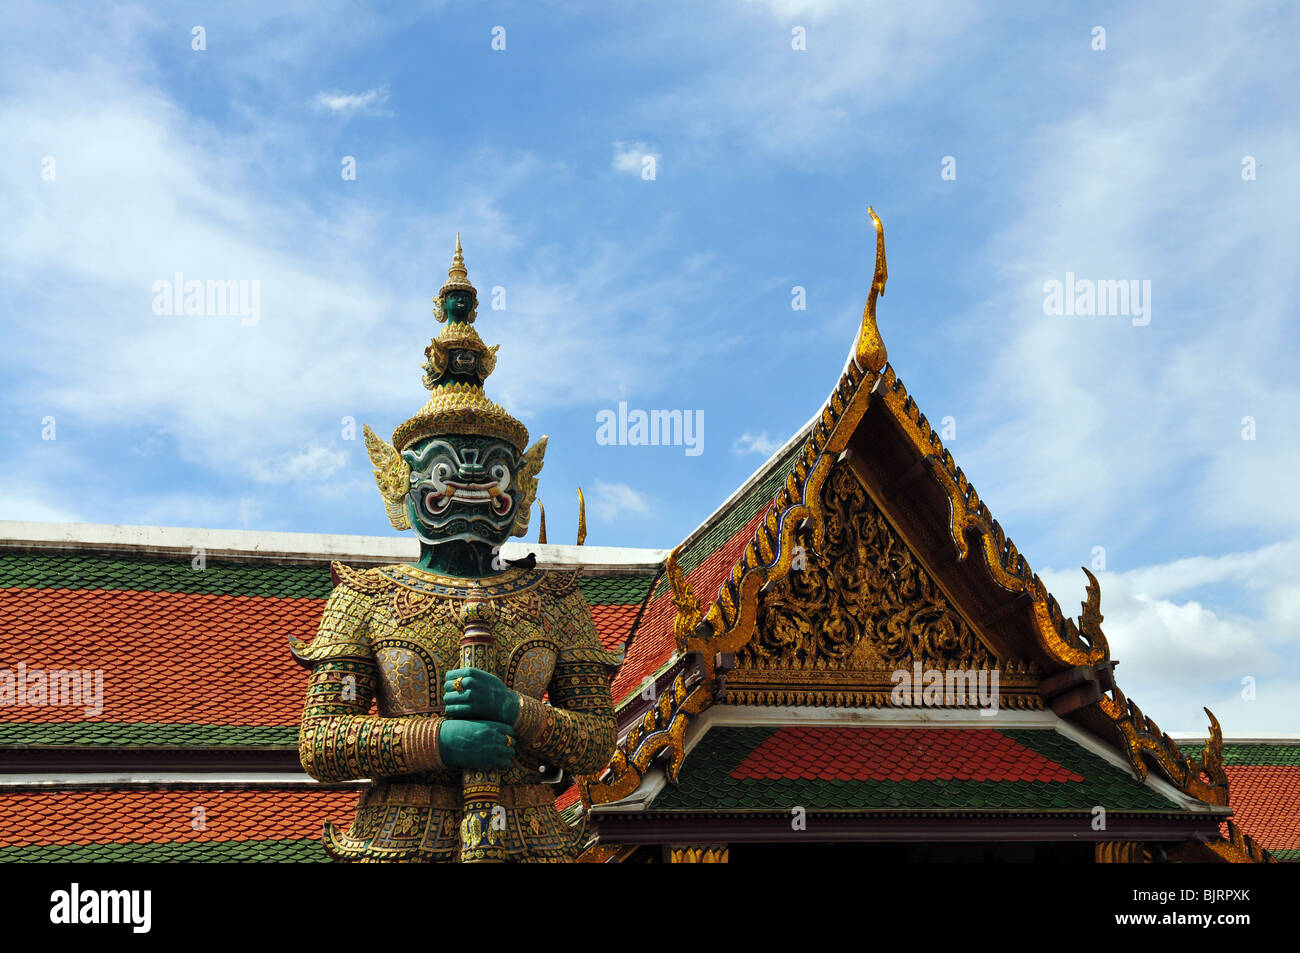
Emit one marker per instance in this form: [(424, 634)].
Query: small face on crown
[(463, 487), (457, 305)]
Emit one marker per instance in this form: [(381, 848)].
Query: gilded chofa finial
[(582, 518), (541, 531), (870, 352)]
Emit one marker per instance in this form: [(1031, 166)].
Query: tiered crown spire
[(458, 364), (457, 280)]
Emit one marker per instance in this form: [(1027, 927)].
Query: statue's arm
[(577, 731), (338, 739)]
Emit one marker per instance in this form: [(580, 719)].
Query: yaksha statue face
[(463, 487), (457, 473)]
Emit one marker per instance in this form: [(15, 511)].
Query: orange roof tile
[(1265, 800), (38, 818)]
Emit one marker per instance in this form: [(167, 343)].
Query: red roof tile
[(179, 658), (38, 818), (653, 645), (1266, 803), (824, 753)]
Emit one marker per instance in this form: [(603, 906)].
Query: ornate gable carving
[(836, 630)]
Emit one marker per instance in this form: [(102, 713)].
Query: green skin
[(456, 305), (478, 722), (479, 728)]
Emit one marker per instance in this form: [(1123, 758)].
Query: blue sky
[(675, 292)]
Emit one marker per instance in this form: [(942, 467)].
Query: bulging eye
[(500, 473)]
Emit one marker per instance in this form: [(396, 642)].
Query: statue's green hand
[(482, 697), (476, 744)]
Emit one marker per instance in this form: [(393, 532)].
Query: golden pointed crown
[(458, 364)]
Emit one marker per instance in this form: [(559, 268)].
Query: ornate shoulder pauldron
[(571, 621), (343, 628), (362, 580), (560, 582)]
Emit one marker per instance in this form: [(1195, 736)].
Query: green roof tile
[(204, 852), (1244, 753), (157, 574), (268, 578), (621, 590), (109, 735)]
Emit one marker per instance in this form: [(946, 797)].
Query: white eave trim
[(613, 558), (17, 534), (205, 778)]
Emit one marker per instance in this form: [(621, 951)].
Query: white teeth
[(461, 494)]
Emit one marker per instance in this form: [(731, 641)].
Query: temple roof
[(128, 602), (706, 557), (201, 696)]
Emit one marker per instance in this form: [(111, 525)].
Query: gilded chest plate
[(415, 632)]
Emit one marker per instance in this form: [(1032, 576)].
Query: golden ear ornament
[(526, 477), (392, 476)]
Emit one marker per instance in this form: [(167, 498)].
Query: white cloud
[(371, 102), (614, 500), (630, 157), (803, 106), (309, 465), (761, 444), (1178, 655), (784, 9)]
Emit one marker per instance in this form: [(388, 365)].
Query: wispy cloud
[(1152, 443), (630, 157), (371, 102), (612, 500), (761, 444), (310, 464)]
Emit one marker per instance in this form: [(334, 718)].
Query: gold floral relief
[(862, 602)]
